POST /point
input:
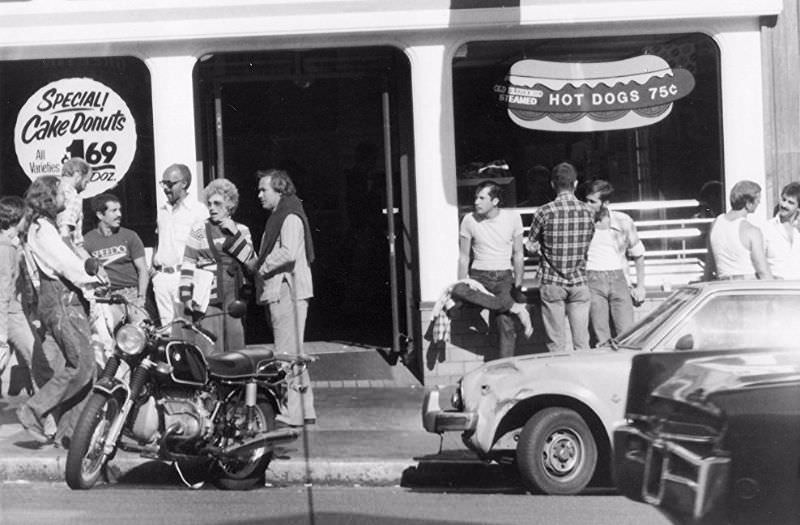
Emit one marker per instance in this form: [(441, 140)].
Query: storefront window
[(671, 158), (96, 108), (642, 112)]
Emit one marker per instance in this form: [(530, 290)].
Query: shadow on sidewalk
[(460, 470)]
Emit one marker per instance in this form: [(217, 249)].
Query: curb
[(375, 472)]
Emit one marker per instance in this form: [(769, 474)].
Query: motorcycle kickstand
[(194, 486)]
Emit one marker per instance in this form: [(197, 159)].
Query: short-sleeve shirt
[(174, 224), (116, 253), (492, 239), (563, 229)]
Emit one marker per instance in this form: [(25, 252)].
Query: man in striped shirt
[(562, 231)]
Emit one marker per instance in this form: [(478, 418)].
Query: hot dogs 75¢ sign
[(76, 117), (560, 96)]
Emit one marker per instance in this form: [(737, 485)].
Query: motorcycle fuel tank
[(188, 363)]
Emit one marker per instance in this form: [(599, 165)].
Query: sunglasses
[(169, 183)]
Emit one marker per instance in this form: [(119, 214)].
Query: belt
[(167, 269), (737, 277)]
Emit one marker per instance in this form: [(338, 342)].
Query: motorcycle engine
[(185, 410)]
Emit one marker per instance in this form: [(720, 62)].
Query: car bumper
[(666, 474), (436, 420)]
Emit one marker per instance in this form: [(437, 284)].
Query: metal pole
[(390, 211)]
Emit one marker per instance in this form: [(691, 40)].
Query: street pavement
[(368, 432)]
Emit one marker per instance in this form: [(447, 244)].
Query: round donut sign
[(76, 117)]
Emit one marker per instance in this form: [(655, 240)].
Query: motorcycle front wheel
[(85, 458), (246, 474)]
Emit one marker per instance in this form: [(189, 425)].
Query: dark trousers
[(65, 317), (499, 283)]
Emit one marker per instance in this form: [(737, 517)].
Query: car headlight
[(130, 339), (456, 401)]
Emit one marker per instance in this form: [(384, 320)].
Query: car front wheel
[(556, 453)]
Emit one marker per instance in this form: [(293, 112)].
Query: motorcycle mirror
[(91, 266), (237, 309)]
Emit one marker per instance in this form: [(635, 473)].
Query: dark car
[(716, 439)]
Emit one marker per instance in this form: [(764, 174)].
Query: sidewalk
[(368, 431)]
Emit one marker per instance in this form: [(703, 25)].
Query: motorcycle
[(164, 399)]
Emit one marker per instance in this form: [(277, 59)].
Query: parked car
[(716, 442), (554, 414)]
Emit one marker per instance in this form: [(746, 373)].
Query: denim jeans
[(610, 295), (565, 302), (500, 283), (64, 316)]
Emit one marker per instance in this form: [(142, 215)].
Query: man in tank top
[(736, 247)]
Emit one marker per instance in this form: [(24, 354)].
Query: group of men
[(52, 249), (739, 249), (561, 232), (584, 249)]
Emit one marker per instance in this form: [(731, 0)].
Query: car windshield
[(636, 336)]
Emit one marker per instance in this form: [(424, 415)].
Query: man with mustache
[(781, 237)]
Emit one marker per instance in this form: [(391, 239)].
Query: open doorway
[(335, 120)]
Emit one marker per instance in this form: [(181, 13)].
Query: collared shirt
[(782, 247), (53, 257), (289, 252), (71, 218), (174, 224), (563, 230), (626, 243)]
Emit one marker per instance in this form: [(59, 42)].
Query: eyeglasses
[(169, 183)]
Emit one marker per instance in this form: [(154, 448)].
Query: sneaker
[(30, 422)]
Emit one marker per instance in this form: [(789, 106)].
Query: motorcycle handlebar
[(199, 329)]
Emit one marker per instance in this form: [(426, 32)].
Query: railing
[(675, 246)]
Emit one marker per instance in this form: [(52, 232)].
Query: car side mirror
[(237, 309), (686, 342)]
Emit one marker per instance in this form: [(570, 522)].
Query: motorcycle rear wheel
[(239, 475), (85, 458)]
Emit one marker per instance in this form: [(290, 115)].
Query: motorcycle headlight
[(130, 339)]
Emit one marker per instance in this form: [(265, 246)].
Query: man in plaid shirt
[(562, 230)]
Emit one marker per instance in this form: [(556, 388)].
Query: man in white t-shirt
[(493, 237), (781, 238)]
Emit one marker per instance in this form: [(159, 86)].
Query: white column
[(172, 87), (742, 109), (435, 170)]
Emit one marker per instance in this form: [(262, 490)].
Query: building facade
[(388, 115)]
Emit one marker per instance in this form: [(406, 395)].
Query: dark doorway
[(321, 116)]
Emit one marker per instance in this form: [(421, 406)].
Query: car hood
[(698, 379), (575, 371)]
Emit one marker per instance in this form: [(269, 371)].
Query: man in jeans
[(562, 230), (494, 239)]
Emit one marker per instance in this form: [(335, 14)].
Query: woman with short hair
[(212, 273)]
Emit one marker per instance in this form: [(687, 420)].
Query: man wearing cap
[(175, 219), (562, 231)]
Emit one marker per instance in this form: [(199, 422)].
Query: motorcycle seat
[(240, 363)]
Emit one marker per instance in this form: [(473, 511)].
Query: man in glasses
[(175, 219)]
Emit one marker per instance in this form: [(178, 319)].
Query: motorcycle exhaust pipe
[(281, 435)]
